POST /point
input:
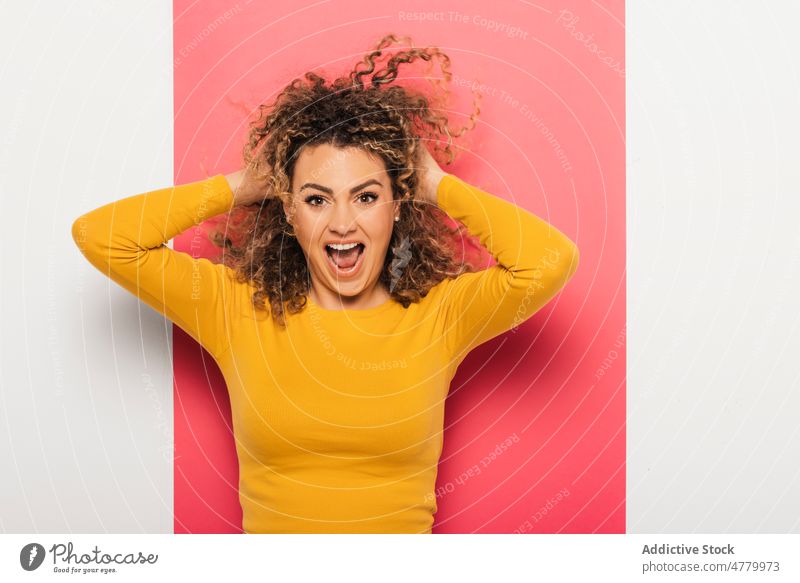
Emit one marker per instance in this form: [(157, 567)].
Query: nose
[(342, 219)]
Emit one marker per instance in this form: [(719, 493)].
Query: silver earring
[(396, 219)]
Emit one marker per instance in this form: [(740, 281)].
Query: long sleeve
[(534, 261), (126, 240)]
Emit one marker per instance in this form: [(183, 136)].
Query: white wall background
[(85, 372), (713, 244), (713, 266)]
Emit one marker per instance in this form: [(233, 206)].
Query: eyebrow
[(330, 191)]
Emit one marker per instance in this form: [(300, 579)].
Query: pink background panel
[(551, 137)]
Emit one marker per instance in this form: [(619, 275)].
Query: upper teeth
[(339, 247)]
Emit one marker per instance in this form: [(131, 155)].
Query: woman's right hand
[(247, 187)]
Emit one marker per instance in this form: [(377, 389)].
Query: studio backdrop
[(535, 420)]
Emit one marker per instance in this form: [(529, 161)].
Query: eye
[(367, 197), (314, 200)]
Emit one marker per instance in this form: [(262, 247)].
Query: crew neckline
[(357, 313)]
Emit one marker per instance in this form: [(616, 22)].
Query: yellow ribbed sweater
[(338, 417)]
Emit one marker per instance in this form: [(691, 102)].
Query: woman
[(339, 312)]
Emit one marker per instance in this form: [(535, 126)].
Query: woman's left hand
[(431, 175)]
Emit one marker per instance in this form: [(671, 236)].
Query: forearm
[(235, 180), (520, 241), (247, 188), (148, 220), (534, 261), (126, 240), (432, 182)]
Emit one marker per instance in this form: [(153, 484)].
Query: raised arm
[(126, 240), (534, 261)]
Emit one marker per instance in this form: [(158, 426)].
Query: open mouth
[(345, 259)]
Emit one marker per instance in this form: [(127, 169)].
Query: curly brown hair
[(365, 111)]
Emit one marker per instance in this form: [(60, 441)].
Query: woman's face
[(343, 214)]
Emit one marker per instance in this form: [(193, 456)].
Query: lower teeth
[(358, 252)]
